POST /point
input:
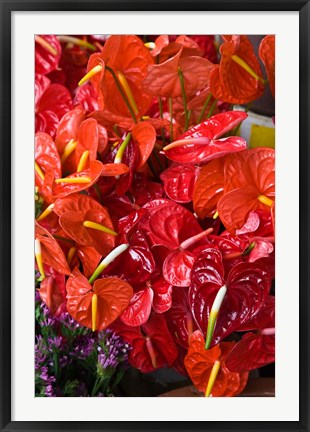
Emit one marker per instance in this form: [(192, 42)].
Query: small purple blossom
[(49, 391)]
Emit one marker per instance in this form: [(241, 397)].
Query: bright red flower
[(209, 188), (247, 284), (249, 178), (52, 253), (52, 101), (179, 182), (255, 349), (152, 344), (199, 363), (74, 211), (163, 79), (47, 53), (179, 317), (201, 144), (238, 78), (112, 296), (128, 56), (267, 55)]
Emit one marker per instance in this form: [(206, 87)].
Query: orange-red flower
[(199, 363), (238, 77), (249, 185), (127, 56), (267, 55)]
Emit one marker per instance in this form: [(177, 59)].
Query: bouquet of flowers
[(154, 231)]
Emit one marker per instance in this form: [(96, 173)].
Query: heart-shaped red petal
[(177, 267), (52, 253), (252, 352), (179, 317), (139, 308), (113, 296), (179, 182), (248, 286)]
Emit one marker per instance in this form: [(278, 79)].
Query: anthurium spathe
[(179, 317), (209, 188), (267, 55), (179, 182), (47, 53), (152, 344), (201, 144), (208, 371), (53, 291), (249, 184), (52, 101), (49, 252), (164, 79), (256, 348), (96, 306), (245, 291), (125, 59), (238, 77), (87, 222)]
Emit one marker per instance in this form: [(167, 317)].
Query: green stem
[(181, 78), (204, 108), (97, 385), (212, 108), (161, 112), (119, 88), (171, 119)]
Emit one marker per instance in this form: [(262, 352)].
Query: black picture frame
[(7, 7)]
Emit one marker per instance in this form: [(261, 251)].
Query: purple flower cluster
[(112, 351), (82, 347)]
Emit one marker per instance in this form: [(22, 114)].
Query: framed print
[(154, 203)]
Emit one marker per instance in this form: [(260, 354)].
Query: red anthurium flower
[(201, 144), (162, 299), (178, 264), (53, 291), (179, 317), (86, 96), (160, 43), (249, 184), (238, 78), (78, 140), (267, 55), (46, 160), (179, 182), (243, 293), (164, 80), (96, 306), (139, 309), (209, 188), (50, 251), (207, 44), (136, 265), (86, 221), (256, 349), (168, 223), (75, 182), (47, 53), (128, 59), (152, 344), (144, 135), (201, 365), (143, 189), (52, 101)]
